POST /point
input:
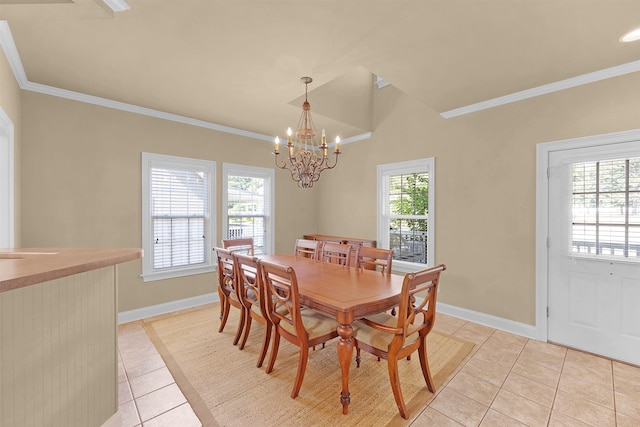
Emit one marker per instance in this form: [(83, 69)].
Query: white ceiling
[(238, 62)]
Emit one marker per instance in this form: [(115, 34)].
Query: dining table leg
[(345, 354)]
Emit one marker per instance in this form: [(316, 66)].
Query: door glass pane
[(606, 208)]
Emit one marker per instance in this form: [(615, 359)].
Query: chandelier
[(306, 158)]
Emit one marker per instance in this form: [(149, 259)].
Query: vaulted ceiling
[(238, 63)]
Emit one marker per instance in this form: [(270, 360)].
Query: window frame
[(150, 160), (253, 172), (384, 171)]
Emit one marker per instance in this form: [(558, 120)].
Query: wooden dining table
[(346, 294)]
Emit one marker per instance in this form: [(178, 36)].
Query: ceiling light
[(306, 158), (631, 36)]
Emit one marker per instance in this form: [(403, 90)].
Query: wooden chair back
[(250, 291), (308, 248), (374, 258), (418, 318), (248, 282), (243, 246), (227, 290), (226, 271), (282, 301), (336, 253)]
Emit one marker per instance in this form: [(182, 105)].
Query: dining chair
[(336, 253), (394, 338), (374, 258), (244, 245), (371, 258), (227, 290), (303, 328), (250, 294), (308, 248)]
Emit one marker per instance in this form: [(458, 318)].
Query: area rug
[(225, 388)]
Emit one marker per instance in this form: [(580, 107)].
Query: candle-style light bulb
[(276, 144), (337, 142), (289, 134)]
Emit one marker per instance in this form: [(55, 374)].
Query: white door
[(594, 250)]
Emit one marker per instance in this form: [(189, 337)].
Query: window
[(248, 200), (405, 213), (177, 216), (606, 208)]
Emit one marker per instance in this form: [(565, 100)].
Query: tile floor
[(507, 380)]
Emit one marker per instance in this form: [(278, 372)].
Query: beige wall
[(82, 184), (10, 103), (485, 188)]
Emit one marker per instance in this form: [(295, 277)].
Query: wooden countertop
[(24, 267)]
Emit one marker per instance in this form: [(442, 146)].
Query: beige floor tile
[(627, 386), (475, 388), (558, 419), (496, 419), (160, 401), (530, 389), (522, 409), (492, 373), (590, 360), (506, 336), (623, 420), (448, 324), (505, 355), (534, 371), (459, 407), (553, 361), (124, 392), (122, 375), (138, 350), (143, 366), (430, 417), (583, 410), (546, 347), (182, 416), (576, 370), (473, 332), (584, 388), (129, 414), (626, 371), (151, 381), (628, 405)]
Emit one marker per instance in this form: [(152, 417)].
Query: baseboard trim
[(167, 307), (495, 322)]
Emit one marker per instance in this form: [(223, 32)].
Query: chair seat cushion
[(373, 337), (315, 323)]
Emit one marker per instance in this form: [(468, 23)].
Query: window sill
[(407, 267), (170, 274)]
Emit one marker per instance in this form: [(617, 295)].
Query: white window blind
[(179, 213), (177, 217)]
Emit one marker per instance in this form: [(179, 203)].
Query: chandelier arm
[(305, 158)]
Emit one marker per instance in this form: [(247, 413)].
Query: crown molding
[(11, 52), (607, 73), (362, 136)]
